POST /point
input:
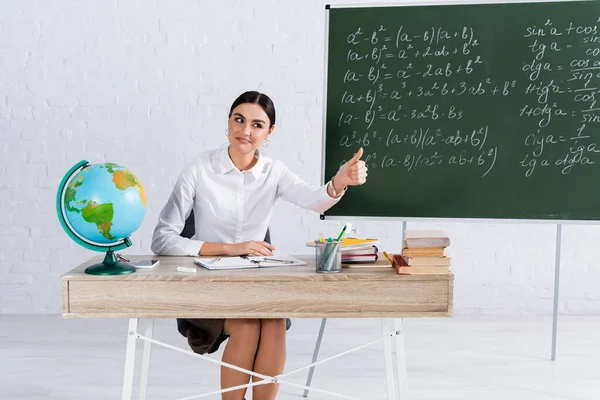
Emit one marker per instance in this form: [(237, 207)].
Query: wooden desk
[(279, 292), (293, 292)]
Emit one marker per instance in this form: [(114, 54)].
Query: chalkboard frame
[(424, 3)]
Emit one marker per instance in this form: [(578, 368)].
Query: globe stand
[(110, 266)]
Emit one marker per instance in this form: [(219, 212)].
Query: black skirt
[(206, 335)]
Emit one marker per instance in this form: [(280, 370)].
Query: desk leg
[(129, 359), (386, 330), (315, 355), (398, 345), (395, 359), (146, 359)]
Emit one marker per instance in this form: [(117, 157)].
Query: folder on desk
[(241, 262), (353, 243)]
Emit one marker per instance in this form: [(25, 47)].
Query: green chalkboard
[(480, 111)]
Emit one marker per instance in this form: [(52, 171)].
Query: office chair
[(188, 232)]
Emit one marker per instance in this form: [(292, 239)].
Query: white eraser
[(186, 269)]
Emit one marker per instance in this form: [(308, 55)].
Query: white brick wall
[(148, 83)]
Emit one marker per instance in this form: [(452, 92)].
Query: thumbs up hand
[(352, 173)]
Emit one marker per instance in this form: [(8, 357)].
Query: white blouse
[(230, 206)]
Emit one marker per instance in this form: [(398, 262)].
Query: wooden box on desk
[(293, 292)]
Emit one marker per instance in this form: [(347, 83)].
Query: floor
[(459, 358)]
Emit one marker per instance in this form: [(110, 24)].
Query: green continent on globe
[(71, 193), (101, 215), (111, 167)]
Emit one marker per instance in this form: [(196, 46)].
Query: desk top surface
[(167, 271)]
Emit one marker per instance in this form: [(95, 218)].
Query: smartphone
[(145, 263)]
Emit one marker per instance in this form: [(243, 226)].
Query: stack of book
[(423, 252), (357, 251), (366, 254)]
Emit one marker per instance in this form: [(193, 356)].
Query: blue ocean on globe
[(104, 203)]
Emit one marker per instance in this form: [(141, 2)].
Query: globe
[(100, 206)]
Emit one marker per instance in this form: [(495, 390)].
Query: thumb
[(357, 156)]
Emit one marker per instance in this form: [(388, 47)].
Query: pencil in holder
[(328, 257)]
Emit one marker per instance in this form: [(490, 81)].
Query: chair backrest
[(189, 229)]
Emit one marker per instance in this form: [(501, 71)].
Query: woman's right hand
[(251, 248)]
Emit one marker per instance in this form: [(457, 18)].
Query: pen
[(388, 257), (278, 260), (342, 233)]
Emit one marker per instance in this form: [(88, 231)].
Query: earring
[(227, 132), (265, 143)]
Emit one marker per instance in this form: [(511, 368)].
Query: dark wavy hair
[(261, 99)]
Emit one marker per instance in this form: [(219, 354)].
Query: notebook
[(360, 258), (360, 251), (241, 262), (381, 262)]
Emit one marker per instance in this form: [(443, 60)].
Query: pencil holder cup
[(328, 257)]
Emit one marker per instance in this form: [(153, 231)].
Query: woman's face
[(248, 127)]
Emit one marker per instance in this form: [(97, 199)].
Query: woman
[(232, 191)]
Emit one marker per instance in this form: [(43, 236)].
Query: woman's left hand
[(352, 173)]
